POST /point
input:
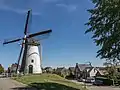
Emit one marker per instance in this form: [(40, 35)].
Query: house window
[(118, 69), (32, 61)]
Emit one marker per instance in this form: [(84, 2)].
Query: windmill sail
[(28, 21), (16, 40), (39, 33), (19, 58), (25, 40), (24, 57)]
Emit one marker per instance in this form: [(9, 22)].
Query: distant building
[(71, 70), (118, 68), (79, 69), (102, 70), (92, 72), (48, 70), (86, 70), (62, 71), (13, 68)]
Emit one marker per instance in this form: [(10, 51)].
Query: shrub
[(119, 82), (71, 76), (105, 80)]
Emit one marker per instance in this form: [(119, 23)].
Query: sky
[(65, 46)]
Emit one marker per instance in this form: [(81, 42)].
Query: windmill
[(29, 50)]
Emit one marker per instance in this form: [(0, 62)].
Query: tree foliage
[(1, 69), (104, 23)]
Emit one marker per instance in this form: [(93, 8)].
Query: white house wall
[(93, 72)]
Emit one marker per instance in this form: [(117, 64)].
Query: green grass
[(49, 82)]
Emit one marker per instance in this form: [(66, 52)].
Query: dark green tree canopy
[(1, 69), (104, 23)]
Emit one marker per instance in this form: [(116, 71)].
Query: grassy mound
[(49, 82)]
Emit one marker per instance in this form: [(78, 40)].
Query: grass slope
[(49, 82)]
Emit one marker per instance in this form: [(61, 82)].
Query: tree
[(1, 69), (64, 72), (104, 24)]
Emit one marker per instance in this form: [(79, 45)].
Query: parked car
[(98, 82), (83, 80), (87, 81), (2, 75), (90, 80)]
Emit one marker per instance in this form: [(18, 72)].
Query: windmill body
[(33, 62)]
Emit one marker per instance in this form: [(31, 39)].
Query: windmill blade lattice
[(39, 33), (27, 22), (11, 41), (19, 58)]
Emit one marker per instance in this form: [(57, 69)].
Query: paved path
[(91, 87), (102, 88), (8, 84)]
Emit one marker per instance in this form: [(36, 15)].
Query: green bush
[(71, 76), (119, 82), (105, 80), (14, 75), (1, 69)]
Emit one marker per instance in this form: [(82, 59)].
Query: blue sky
[(66, 46)]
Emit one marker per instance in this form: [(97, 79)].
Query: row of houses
[(79, 71)]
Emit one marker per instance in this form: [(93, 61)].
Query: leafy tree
[(1, 69), (64, 73), (104, 24)]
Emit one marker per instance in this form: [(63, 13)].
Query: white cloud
[(68, 7), (3, 6)]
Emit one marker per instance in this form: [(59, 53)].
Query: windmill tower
[(31, 62)]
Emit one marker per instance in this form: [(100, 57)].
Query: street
[(8, 84), (92, 87), (102, 88)]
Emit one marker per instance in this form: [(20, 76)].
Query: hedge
[(105, 80)]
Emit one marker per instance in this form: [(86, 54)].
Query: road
[(91, 87), (8, 84), (102, 88)]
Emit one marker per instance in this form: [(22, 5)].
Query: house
[(80, 69), (62, 71), (102, 70), (71, 70), (118, 68), (13, 68), (86, 70), (48, 70), (91, 72)]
